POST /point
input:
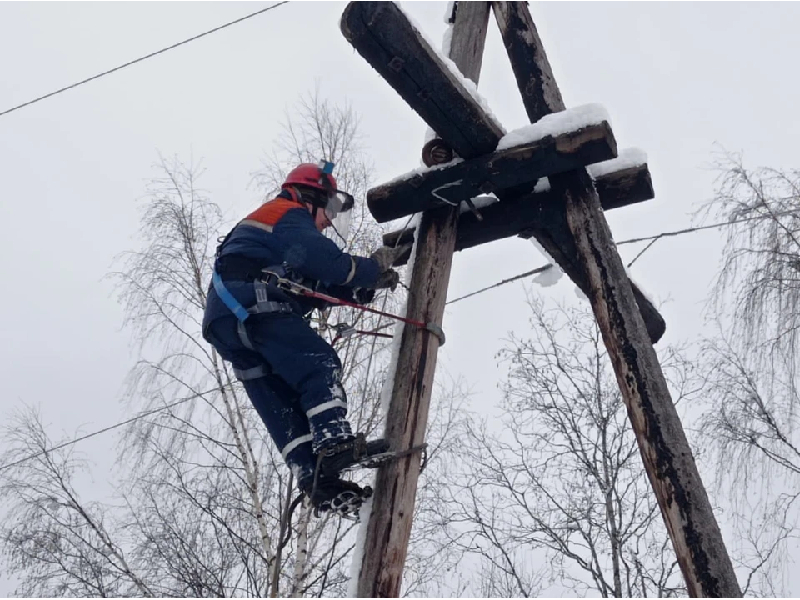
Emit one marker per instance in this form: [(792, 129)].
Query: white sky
[(675, 78)]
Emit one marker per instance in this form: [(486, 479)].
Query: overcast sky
[(677, 79)]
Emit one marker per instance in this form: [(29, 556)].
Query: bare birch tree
[(54, 541), (750, 424), (224, 480), (555, 494), (758, 281), (754, 363)]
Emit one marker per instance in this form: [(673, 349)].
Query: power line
[(505, 281), (651, 238), (713, 226), (99, 431), (654, 238), (663, 234), (152, 54)]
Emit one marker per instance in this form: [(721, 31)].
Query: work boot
[(335, 495), (356, 452), (328, 432)]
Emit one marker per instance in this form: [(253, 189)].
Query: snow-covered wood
[(518, 214), (381, 33), (627, 158), (384, 36), (538, 153), (556, 124)]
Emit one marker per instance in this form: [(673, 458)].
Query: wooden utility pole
[(667, 457), (389, 527)]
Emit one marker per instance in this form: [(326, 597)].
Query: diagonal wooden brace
[(383, 35), (666, 454)]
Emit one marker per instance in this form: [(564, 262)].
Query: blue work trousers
[(300, 397)]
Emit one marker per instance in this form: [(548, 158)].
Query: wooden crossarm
[(500, 170), (516, 216)]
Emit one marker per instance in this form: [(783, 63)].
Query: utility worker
[(292, 375)]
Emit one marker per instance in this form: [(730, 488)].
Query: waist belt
[(234, 267), (263, 304)]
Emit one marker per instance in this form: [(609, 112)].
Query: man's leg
[(311, 368), (288, 427), (272, 398)]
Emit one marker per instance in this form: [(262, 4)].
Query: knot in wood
[(396, 64)]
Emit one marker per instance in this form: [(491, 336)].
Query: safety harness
[(241, 268), (263, 305)]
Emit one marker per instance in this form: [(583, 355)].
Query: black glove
[(388, 279), (386, 256), (363, 295)]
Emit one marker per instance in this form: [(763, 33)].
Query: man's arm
[(313, 255)]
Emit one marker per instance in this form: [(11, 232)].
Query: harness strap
[(243, 337), (263, 305), (227, 298)]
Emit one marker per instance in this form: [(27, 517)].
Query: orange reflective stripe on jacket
[(273, 211)]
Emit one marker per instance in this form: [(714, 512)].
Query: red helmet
[(310, 175)]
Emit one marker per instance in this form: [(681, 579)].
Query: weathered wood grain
[(389, 527)]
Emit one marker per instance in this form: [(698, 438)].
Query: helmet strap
[(295, 195)]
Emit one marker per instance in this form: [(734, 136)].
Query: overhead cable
[(138, 60), (99, 431)]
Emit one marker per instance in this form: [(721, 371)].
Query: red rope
[(291, 286), (331, 299)]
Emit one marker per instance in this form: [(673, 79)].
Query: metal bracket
[(474, 210), (344, 330)]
